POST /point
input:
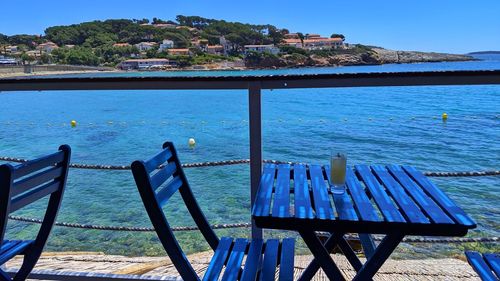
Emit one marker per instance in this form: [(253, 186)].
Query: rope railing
[(246, 161), (248, 225)]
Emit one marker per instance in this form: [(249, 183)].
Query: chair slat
[(33, 195), (233, 265), (281, 206), (343, 202), (262, 205), (493, 260), (426, 204), (361, 200), (37, 164), (287, 259), (220, 256), (166, 192), (479, 265), (16, 249), (404, 201), (322, 204), (303, 208), (440, 197), (162, 175), (35, 180), (158, 159), (270, 260), (253, 261), (383, 201)]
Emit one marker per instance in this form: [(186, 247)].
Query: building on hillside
[(11, 49), (262, 49), (144, 46), (291, 36), (186, 27), (143, 63), (312, 36), (295, 42), (179, 52), (215, 49), (47, 47), (321, 43), (166, 44), (121, 45), (226, 45), (70, 46)]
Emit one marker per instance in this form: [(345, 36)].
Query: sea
[(371, 125)]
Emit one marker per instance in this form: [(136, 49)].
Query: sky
[(454, 26)]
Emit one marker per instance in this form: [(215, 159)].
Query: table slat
[(303, 208), (404, 201), (361, 200), (440, 197), (262, 205), (322, 204), (427, 205), (343, 203), (383, 201), (281, 206)]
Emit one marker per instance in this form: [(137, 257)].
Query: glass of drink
[(338, 163)]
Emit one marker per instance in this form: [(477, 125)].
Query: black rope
[(246, 161)]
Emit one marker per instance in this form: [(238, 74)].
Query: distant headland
[(193, 42), (485, 53)]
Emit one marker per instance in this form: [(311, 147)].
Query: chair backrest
[(28, 182), (157, 180)]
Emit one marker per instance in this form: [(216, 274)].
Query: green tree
[(27, 59), (335, 35)]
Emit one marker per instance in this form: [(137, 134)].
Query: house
[(215, 49), (47, 47), (121, 45), (321, 43), (294, 42), (143, 63), (312, 36), (69, 46), (226, 44), (144, 46), (166, 44), (262, 49), (291, 36), (11, 49), (179, 52)]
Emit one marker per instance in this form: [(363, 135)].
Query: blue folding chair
[(157, 180), (487, 266), (22, 185)]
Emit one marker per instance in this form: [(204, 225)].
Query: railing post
[(255, 125)]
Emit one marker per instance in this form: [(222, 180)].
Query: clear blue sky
[(457, 26)]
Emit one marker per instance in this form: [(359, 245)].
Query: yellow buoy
[(73, 123), (191, 142), (444, 116)]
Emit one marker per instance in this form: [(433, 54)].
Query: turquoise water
[(372, 125)]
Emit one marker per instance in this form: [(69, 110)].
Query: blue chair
[(22, 185), (157, 180), (487, 266)]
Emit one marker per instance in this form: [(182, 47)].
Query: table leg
[(335, 239), (321, 256), (367, 244), (381, 254)]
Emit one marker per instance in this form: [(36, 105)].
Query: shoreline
[(198, 68)]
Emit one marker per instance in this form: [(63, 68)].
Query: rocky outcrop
[(372, 57)]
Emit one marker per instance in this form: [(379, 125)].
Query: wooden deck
[(428, 269)]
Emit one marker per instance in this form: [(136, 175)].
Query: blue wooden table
[(391, 200)]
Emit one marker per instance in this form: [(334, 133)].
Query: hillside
[(192, 41)]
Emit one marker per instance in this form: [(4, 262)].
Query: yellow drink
[(338, 163)]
